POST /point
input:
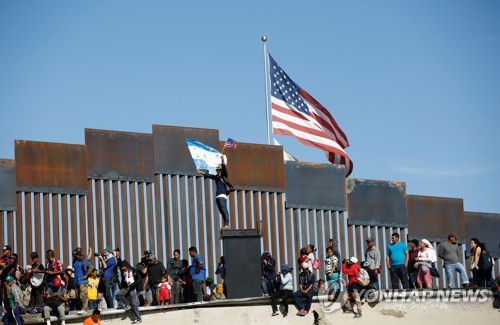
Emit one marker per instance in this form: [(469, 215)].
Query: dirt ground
[(386, 313)]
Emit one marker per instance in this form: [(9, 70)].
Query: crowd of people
[(409, 268), (51, 288), (55, 289)]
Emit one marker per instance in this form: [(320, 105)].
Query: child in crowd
[(92, 290), (164, 291), (310, 249)]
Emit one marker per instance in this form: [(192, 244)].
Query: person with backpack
[(311, 260), (486, 264), (351, 268), (476, 250), (307, 279)]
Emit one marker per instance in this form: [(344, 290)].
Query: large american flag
[(296, 113)]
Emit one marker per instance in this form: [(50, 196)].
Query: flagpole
[(266, 77)]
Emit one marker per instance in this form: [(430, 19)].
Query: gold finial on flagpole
[(264, 38)]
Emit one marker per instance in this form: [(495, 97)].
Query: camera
[(146, 259), (97, 254)]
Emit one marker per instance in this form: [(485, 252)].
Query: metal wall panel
[(256, 167), (433, 218), (7, 185), (485, 227), (50, 167), (376, 203), (123, 156), (315, 186), (171, 154)]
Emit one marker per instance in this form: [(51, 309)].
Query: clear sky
[(415, 85)]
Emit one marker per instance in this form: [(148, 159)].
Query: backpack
[(363, 277), (27, 295), (485, 263), (316, 264)]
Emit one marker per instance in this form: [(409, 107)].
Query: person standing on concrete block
[(223, 188)]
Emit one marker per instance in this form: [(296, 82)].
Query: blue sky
[(415, 85)]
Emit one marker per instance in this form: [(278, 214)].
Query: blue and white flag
[(204, 157)]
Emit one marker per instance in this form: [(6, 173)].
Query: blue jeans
[(108, 282), (267, 286), (114, 290), (222, 206), (450, 269), (129, 299), (399, 272), (13, 314), (198, 289), (93, 304), (309, 296)]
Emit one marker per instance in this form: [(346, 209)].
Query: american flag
[(230, 143), (296, 113)]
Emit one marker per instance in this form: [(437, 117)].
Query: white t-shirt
[(311, 261)]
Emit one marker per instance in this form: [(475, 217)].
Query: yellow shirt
[(92, 290)]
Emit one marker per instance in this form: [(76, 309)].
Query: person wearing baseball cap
[(37, 280), (307, 279), (351, 268), (107, 262), (448, 251), (7, 251), (15, 304), (223, 188), (372, 256)]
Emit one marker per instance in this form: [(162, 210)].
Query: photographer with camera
[(143, 289), (351, 268), (107, 263), (156, 270)]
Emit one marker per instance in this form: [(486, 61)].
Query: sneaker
[(226, 227), (466, 285), (80, 312), (285, 314), (127, 308), (358, 315), (347, 311), (275, 313), (137, 321), (302, 312)]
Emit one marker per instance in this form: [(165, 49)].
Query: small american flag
[(230, 143), (296, 113)]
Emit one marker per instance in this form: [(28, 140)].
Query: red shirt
[(352, 271)]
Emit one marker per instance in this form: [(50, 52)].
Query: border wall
[(140, 191)]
